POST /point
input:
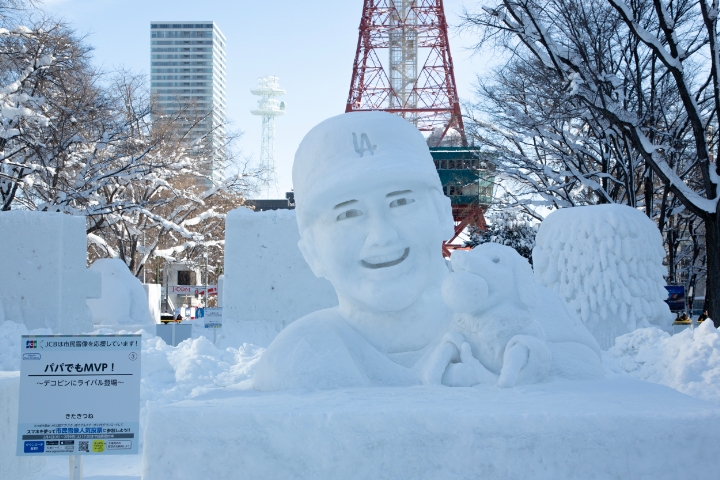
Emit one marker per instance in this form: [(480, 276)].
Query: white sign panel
[(213, 318), (79, 395)]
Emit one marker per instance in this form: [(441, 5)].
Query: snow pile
[(123, 300), (688, 361), (267, 283), (193, 368), (606, 262), (44, 282)]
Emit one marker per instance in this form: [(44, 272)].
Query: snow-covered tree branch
[(609, 101)]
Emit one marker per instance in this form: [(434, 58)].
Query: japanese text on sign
[(79, 395)]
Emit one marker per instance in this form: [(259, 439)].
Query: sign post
[(213, 319), (79, 395)]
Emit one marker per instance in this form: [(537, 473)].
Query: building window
[(186, 277)]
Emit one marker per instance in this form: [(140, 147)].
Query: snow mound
[(123, 300), (688, 361), (606, 262), (193, 368)]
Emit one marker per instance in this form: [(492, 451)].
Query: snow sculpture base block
[(44, 282), (617, 428), (12, 466), (267, 283)]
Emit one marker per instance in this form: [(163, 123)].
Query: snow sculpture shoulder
[(606, 262), (123, 300), (372, 217)]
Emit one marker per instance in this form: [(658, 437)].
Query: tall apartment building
[(187, 70)]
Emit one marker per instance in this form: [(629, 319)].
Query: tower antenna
[(268, 108)]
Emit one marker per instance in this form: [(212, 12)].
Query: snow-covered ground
[(688, 361), (196, 369)]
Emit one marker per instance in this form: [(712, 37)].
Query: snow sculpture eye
[(401, 201), (496, 260), (349, 214)]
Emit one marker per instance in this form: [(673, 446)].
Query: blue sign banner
[(676, 297)]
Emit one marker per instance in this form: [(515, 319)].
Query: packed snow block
[(154, 298), (11, 466), (267, 282), (606, 262), (220, 286), (123, 300), (609, 429), (44, 282)]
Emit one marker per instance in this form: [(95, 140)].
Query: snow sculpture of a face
[(370, 209)]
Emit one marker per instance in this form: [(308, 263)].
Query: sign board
[(79, 395), (196, 290), (181, 290), (174, 333), (676, 297), (213, 318), (211, 290)]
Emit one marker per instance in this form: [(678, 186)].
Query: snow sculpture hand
[(491, 293), (452, 364)]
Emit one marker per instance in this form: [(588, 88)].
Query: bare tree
[(84, 142), (636, 97)]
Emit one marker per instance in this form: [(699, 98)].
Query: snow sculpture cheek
[(465, 292)]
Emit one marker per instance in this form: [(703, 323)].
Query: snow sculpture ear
[(307, 248), (524, 280), (444, 210)]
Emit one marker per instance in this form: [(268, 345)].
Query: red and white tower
[(415, 79)]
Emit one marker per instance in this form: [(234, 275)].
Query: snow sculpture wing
[(606, 262)]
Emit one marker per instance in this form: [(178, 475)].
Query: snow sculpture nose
[(381, 232)]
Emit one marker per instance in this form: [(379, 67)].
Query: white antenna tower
[(268, 108)]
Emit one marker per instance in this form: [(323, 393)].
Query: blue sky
[(308, 44)]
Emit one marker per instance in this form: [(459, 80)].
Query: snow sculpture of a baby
[(494, 318), (372, 217)]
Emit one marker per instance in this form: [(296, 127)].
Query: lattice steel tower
[(416, 80), (415, 33), (268, 108)]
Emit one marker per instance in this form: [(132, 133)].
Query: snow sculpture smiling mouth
[(382, 261)]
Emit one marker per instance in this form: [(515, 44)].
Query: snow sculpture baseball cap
[(360, 148)]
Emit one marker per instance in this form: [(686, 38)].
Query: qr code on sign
[(83, 447)]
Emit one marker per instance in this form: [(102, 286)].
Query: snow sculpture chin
[(372, 216)]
